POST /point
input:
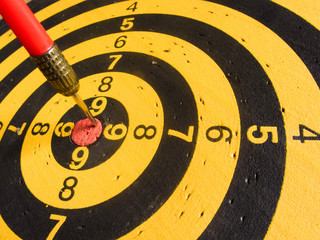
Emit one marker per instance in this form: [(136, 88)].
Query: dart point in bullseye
[(43, 51)]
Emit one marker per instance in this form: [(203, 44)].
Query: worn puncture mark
[(201, 118), (268, 65), (242, 218), (185, 187), (243, 40), (167, 50), (139, 233), (201, 214), (283, 110), (210, 12), (230, 201), (247, 180), (204, 162), (181, 214), (227, 15), (117, 178), (202, 101), (188, 196), (233, 155)]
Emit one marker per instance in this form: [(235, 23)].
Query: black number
[(120, 42), (40, 128), (133, 7), (68, 187), (1, 125), (105, 84), (302, 137), (145, 132), (220, 129)]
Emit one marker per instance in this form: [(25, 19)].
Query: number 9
[(98, 105)]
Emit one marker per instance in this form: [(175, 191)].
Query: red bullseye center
[(85, 132)]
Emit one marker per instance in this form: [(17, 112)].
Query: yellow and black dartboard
[(210, 114)]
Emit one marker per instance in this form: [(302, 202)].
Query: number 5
[(127, 24), (61, 220), (264, 134)]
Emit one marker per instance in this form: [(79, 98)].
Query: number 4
[(61, 220), (133, 7), (313, 135)]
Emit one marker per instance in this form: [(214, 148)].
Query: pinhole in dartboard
[(111, 113)]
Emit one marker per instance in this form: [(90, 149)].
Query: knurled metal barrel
[(58, 71)]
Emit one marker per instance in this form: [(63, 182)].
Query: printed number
[(120, 42), (61, 219), (220, 130), (183, 136), (64, 129), (302, 137), (40, 128), (79, 158), (68, 189), (264, 132), (115, 132), (1, 125), (105, 84), (18, 130), (114, 62), (145, 132), (127, 24), (98, 105), (133, 7)]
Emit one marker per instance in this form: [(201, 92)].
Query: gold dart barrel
[(61, 76)]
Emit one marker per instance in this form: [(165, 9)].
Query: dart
[(43, 51)]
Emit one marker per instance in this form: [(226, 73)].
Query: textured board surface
[(210, 123)]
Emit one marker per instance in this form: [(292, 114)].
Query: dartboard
[(209, 122)]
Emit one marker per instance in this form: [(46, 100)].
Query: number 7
[(61, 220), (114, 62), (187, 138)]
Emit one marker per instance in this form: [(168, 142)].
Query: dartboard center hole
[(85, 132)]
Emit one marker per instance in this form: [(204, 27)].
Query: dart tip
[(84, 108), (91, 118)]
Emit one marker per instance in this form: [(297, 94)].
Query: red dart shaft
[(44, 52), (25, 26)]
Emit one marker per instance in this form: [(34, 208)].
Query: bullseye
[(85, 132)]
